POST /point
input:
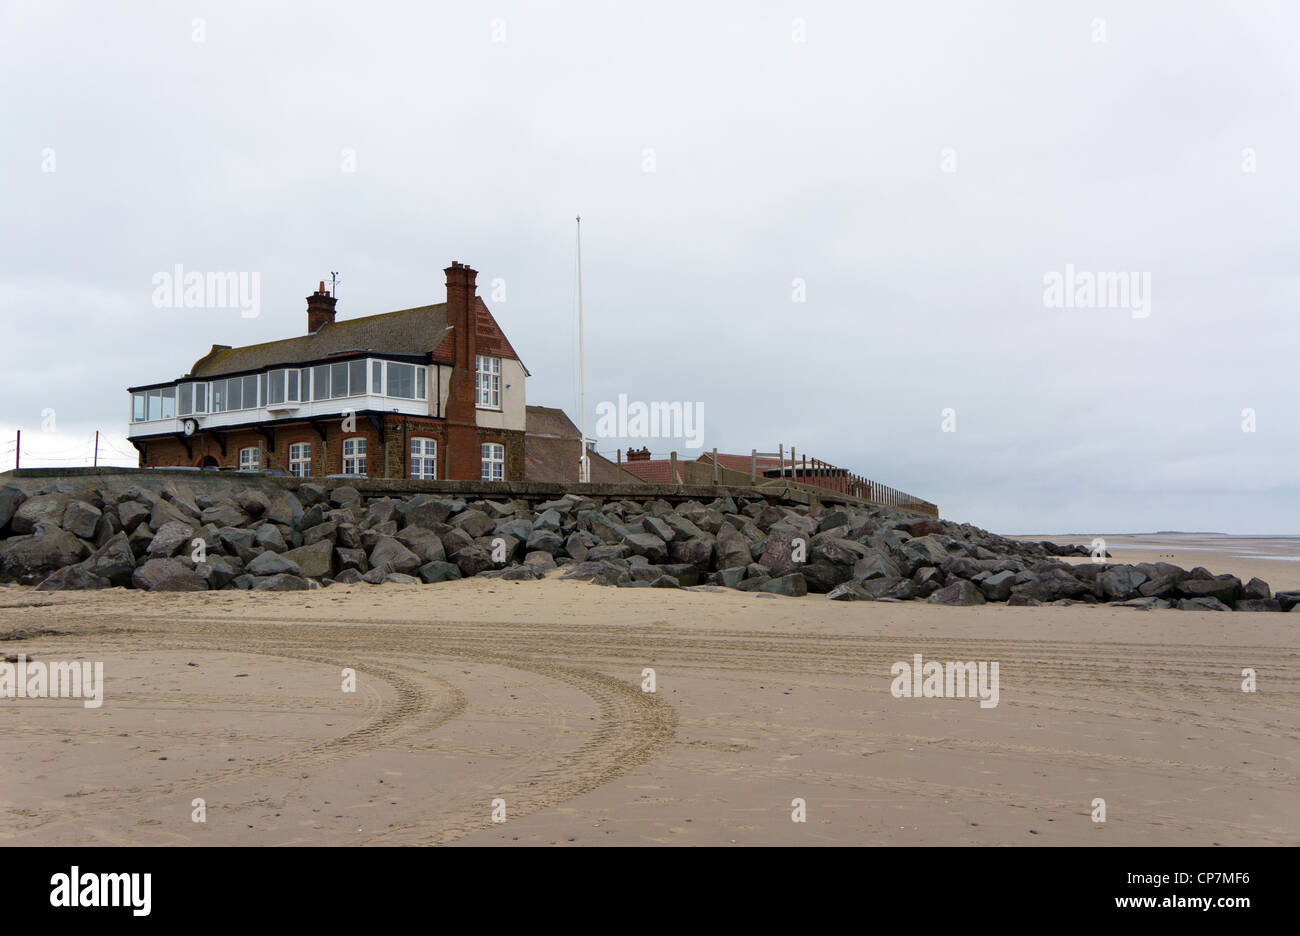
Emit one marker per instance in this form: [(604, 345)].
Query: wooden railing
[(800, 471), (814, 472)]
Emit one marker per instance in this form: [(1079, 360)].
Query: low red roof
[(654, 471)]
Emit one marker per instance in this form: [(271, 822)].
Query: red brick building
[(431, 392), (555, 451)]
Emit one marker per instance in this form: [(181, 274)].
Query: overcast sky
[(922, 168)]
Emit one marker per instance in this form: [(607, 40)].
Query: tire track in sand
[(634, 728)]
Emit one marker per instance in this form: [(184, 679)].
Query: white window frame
[(494, 467), (300, 459), (427, 458), (354, 452), (487, 382), (250, 458)]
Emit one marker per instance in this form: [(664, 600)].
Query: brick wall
[(171, 452), (387, 448)]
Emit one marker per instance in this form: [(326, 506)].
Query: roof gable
[(549, 422), (488, 338)]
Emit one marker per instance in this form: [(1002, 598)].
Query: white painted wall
[(513, 413)]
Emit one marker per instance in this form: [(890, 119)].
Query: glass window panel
[(168, 410), (200, 398), (292, 394), (250, 392), (185, 393), (487, 381), (300, 459), (339, 381), (275, 387), (354, 455), (494, 461), (376, 376), (234, 394), (155, 404), (401, 380), (424, 462), (357, 378), (320, 382), (419, 383), (138, 410)]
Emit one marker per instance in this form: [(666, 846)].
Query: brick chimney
[(642, 454), (320, 309), (464, 458)]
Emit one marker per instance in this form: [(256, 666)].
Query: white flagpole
[(585, 466)]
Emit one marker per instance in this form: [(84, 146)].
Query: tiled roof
[(422, 330), (551, 422), (602, 469), (409, 331), (654, 471)]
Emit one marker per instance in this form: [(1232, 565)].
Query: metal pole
[(585, 465), (96, 462), (18, 449)]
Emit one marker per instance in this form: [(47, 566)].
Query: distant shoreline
[(1158, 533)]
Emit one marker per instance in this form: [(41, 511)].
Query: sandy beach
[(531, 693)]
